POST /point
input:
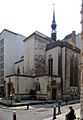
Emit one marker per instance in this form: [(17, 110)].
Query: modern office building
[(11, 50)]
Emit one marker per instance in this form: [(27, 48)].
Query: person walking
[(71, 115), (59, 110)]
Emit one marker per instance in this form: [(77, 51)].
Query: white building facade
[(11, 50)]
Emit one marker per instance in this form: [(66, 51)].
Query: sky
[(26, 16)]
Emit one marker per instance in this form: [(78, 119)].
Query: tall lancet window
[(72, 71), (59, 64), (76, 73), (50, 66)]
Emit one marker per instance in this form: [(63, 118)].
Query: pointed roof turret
[(53, 12)]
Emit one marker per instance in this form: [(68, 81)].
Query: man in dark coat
[(71, 114)]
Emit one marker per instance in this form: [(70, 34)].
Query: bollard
[(54, 113), (27, 107), (14, 115)]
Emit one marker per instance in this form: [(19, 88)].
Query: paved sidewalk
[(37, 112), (62, 116)]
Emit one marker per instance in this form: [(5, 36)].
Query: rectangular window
[(2, 42), (49, 66), (1, 50), (1, 66), (2, 58), (2, 73), (2, 81)]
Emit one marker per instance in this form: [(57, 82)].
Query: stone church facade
[(50, 69), (67, 67)]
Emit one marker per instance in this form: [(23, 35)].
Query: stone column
[(81, 66)]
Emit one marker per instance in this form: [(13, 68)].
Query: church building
[(48, 70)]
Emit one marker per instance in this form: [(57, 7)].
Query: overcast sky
[(26, 16)]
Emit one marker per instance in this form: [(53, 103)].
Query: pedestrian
[(66, 100), (71, 115), (59, 110)]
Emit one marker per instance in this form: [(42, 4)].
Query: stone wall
[(21, 84), (40, 56)]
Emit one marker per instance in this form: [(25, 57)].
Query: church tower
[(53, 26), (81, 66)]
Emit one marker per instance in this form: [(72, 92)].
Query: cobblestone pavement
[(36, 112)]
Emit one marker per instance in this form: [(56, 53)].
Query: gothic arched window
[(76, 73), (59, 64), (50, 66), (72, 70)]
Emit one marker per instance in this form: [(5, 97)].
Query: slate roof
[(62, 44), (68, 36)]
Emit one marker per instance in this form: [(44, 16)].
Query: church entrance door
[(53, 93)]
